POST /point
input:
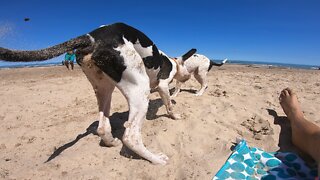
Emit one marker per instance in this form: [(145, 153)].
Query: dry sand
[(50, 112)]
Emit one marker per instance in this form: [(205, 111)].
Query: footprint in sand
[(258, 127), (4, 173), (218, 93)]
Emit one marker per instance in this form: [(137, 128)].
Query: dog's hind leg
[(104, 94), (176, 89), (201, 77), (103, 87), (135, 87), (163, 89)]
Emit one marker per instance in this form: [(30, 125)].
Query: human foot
[(290, 105)]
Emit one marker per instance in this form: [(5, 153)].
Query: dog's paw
[(199, 94), (175, 116), (160, 159), (116, 142), (174, 95), (113, 143)]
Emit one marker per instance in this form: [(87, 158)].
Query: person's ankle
[(295, 115)]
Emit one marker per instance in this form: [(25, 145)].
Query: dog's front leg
[(163, 90)]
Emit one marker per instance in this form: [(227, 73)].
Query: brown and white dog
[(121, 56), (198, 65)]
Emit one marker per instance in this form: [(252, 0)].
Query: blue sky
[(285, 31)]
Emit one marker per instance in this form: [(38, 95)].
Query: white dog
[(198, 65), (119, 56)]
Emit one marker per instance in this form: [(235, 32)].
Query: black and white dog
[(121, 56), (198, 65)]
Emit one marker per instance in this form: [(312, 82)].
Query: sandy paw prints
[(258, 126)]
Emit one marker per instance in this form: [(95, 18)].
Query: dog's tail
[(44, 54), (216, 64)]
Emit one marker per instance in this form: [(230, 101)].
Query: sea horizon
[(8, 65)]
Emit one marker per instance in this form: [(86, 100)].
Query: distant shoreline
[(274, 65), (13, 66), (6, 65)]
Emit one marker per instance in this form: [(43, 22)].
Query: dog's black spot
[(166, 68), (153, 61), (110, 62)]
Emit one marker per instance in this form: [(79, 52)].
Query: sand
[(51, 113)]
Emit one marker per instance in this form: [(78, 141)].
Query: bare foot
[(290, 105)]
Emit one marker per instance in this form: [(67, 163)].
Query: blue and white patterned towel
[(254, 163)]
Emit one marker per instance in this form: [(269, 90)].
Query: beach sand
[(50, 112)]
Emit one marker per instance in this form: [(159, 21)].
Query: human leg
[(66, 63), (305, 134), (71, 63)]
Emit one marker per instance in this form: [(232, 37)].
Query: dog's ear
[(188, 54)]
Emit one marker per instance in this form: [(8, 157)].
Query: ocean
[(56, 62)]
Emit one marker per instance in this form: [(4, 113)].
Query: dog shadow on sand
[(191, 91), (117, 120)]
